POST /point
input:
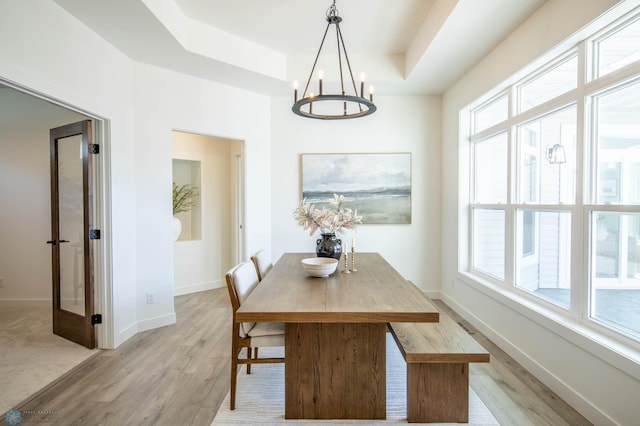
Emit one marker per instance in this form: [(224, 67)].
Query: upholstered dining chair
[(241, 281), (262, 263)]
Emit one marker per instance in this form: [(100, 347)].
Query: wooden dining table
[(335, 332)]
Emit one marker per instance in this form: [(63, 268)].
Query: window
[(617, 48), (559, 79), (493, 112), (491, 169), (488, 253), (545, 271), (617, 140), (540, 181), (555, 184)]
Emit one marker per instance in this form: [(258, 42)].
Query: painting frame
[(376, 184)]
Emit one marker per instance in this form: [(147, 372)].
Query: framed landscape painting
[(377, 185)]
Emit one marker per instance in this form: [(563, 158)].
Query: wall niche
[(188, 172)]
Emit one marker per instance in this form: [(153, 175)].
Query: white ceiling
[(403, 46)]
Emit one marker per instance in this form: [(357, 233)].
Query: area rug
[(31, 356), (260, 396)]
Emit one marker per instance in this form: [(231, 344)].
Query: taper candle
[(346, 263)]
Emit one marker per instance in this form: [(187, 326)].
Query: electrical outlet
[(151, 297), (1, 282)]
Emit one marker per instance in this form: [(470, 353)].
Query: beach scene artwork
[(378, 185)]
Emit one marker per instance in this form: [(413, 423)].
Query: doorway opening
[(211, 238), (25, 257)]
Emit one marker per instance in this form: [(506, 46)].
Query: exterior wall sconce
[(555, 154)]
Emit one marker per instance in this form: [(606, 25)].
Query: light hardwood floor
[(179, 375)]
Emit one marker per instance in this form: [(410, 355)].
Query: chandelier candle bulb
[(295, 91), (371, 93), (362, 85), (320, 82)]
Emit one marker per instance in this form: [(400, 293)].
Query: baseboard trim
[(156, 322), (195, 288)]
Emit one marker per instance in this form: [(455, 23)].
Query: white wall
[(167, 101), (401, 124), (52, 53), (599, 382), (25, 210)]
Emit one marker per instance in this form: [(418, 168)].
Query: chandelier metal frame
[(364, 106)]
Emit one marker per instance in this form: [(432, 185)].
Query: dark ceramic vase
[(329, 246)]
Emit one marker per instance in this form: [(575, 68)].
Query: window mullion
[(579, 274), (509, 220)]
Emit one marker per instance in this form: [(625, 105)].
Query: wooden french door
[(71, 232)]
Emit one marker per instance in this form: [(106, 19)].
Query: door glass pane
[(544, 255), (542, 180), (488, 241), (71, 220), (615, 282), (490, 164), (618, 142), (554, 82)]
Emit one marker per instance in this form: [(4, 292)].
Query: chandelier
[(337, 105)]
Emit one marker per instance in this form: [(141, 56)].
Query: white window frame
[(585, 184)]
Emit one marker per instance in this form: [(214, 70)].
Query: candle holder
[(346, 263), (353, 260)]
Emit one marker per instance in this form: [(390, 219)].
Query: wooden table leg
[(335, 371)]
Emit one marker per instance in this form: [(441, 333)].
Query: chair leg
[(234, 377), (249, 357)]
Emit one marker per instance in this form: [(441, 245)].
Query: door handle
[(54, 241)]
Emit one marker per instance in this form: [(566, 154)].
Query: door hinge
[(94, 148), (94, 234), (96, 319)]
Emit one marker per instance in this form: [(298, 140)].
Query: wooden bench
[(437, 357)]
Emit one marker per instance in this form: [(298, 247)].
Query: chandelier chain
[(346, 56), (306, 87)]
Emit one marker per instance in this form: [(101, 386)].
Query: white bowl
[(320, 266)]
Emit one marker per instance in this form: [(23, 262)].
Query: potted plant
[(183, 201)]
